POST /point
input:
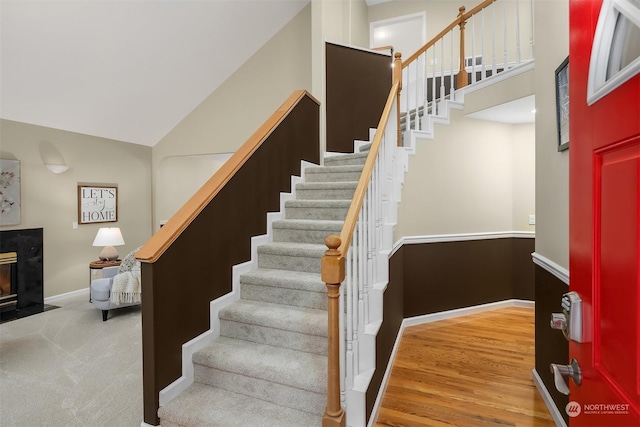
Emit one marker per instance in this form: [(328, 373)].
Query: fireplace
[(8, 281), (21, 273)]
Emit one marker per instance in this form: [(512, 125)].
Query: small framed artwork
[(562, 104), (97, 203), (9, 192)]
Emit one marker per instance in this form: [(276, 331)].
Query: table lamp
[(108, 237)]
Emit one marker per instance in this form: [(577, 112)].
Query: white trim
[(548, 401), (459, 312), (553, 268), (143, 424), (598, 86), (434, 317), (399, 20), (439, 238), (523, 67), (54, 298)]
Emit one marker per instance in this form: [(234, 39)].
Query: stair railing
[(488, 42), (188, 263), (353, 259)]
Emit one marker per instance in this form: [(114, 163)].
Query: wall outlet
[(532, 220), (433, 61), (74, 225)]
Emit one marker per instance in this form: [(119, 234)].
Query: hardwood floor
[(470, 371)]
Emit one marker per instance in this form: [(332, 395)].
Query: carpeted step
[(284, 287), (332, 210), (364, 148), (333, 173), (304, 230), (346, 159), (291, 256), (205, 406), (296, 328), (290, 378), (325, 190)]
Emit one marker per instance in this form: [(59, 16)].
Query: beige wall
[(234, 111), (50, 201), (552, 167), (464, 181)]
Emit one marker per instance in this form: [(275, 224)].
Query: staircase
[(269, 365)]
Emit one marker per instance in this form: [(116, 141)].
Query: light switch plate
[(532, 220)]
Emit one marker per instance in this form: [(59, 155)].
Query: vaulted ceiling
[(127, 70)]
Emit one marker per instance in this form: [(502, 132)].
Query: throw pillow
[(129, 262)]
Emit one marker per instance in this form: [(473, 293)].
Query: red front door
[(604, 232)]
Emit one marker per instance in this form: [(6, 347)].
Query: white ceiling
[(128, 70), (518, 111)]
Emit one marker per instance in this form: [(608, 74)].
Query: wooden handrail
[(367, 170), (462, 18), (161, 240)]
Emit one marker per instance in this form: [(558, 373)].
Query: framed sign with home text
[(97, 203)]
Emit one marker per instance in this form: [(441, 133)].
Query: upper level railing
[(188, 262), (489, 40)]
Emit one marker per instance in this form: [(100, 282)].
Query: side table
[(99, 265)]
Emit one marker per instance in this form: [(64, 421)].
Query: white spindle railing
[(422, 94), (364, 245)]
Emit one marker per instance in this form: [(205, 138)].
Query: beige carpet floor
[(66, 367)]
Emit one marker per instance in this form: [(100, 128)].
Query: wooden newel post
[(397, 77), (333, 276), (463, 77)]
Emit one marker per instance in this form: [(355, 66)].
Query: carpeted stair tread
[(335, 168), (309, 224), (284, 279), (346, 159), (292, 368), (364, 148), (328, 204), (293, 249), (202, 405), (342, 185), (277, 316)]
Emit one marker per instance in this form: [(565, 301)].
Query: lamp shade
[(108, 236)]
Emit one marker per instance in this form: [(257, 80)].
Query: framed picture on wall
[(9, 192), (562, 104), (97, 203)]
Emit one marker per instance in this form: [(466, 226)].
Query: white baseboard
[(548, 401), (450, 314), (434, 317), (55, 298)]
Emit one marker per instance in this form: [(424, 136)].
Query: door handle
[(561, 371)]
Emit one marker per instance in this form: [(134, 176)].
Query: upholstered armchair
[(119, 286)]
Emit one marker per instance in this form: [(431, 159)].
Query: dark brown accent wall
[(551, 345), (197, 267), (358, 84), (449, 275), (432, 277), (392, 316)]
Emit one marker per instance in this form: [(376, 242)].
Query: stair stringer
[(206, 338)]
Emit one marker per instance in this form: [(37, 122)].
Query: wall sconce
[(57, 169), (108, 237)]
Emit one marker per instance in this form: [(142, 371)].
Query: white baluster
[(517, 32), (441, 70), (532, 34), (362, 270), (505, 64), (433, 84), (483, 73), (425, 100), (494, 69), (406, 93), (473, 49), (452, 90), (346, 335), (354, 295), (415, 124)]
